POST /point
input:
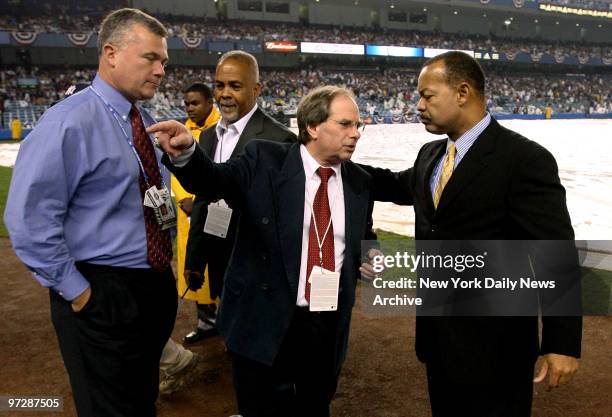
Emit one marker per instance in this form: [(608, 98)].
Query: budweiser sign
[(281, 46)]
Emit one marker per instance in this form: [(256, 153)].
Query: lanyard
[(320, 241), (127, 137)]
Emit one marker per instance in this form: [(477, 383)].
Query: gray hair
[(314, 108), (243, 57), (117, 24)]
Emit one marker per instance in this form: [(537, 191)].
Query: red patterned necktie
[(159, 247), (322, 215)]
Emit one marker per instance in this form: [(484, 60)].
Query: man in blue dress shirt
[(78, 218)]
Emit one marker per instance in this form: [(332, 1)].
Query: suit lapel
[(289, 189), (208, 141), (471, 165), (252, 130)]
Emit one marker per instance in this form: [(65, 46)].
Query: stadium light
[(455, 12), (535, 20), (507, 22), (392, 6)]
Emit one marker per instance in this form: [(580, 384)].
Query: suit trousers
[(509, 396), (302, 380), (111, 348)]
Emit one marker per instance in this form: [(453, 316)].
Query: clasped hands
[(171, 137)]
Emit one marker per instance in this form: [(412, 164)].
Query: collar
[(239, 125), (466, 140), (191, 125), (210, 120), (311, 165), (113, 97)]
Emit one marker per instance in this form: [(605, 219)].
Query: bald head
[(246, 59), (236, 85)]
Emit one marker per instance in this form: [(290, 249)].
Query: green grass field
[(5, 180)]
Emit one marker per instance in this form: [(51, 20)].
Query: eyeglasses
[(347, 124)]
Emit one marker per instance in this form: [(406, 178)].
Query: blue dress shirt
[(75, 193), (462, 146)]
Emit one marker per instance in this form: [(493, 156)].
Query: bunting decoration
[(79, 39), (192, 42), (24, 38)]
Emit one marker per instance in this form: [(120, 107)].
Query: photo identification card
[(159, 200), (218, 219), (324, 287)]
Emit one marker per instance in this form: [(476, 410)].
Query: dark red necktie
[(159, 247), (322, 215)]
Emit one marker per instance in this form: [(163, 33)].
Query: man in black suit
[(236, 90), (483, 182), (305, 209)]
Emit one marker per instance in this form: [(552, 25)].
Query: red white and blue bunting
[(192, 42), (24, 38), (511, 55), (79, 39)]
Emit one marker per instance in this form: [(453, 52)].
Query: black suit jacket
[(506, 187), (267, 184), (212, 251)]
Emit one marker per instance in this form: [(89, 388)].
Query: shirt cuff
[(183, 159), (71, 286)]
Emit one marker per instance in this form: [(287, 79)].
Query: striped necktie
[(447, 171)]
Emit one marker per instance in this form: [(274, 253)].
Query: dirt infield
[(381, 377)]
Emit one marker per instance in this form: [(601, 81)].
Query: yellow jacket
[(16, 129), (202, 296)]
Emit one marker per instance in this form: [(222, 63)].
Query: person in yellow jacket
[(179, 367), (16, 129), (548, 112), (201, 114)]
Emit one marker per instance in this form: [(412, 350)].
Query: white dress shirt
[(335, 194), (228, 136)]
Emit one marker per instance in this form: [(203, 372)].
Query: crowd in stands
[(259, 31), (391, 92)]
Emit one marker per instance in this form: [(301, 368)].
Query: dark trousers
[(207, 312), (302, 380), (111, 348), (509, 396)]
